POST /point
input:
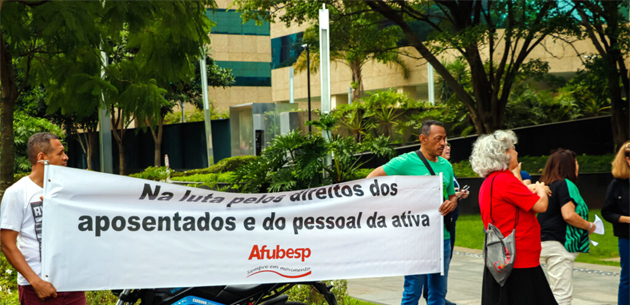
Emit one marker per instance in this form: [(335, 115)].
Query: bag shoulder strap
[(516, 214), (447, 218), (426, 163)]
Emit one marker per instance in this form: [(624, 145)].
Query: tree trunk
[(9, 96), (617, 79), (357, 80), (90, 148), (118, 135), (121, 158), (158, 143), (482, 91), (157, 140), (619, 107)]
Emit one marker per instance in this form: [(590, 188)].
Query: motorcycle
[(263, 294)]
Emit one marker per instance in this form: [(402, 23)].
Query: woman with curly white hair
[(510, 205)]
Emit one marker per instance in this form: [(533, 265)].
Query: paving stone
[(593, 284)]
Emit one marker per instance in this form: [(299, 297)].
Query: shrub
[(225, 165), (154, 173), (534, 165), (8, 283), (209, 180), (463, 169), (104, 297), (19, 176), (309, 295), (360, 173), (25, 126)]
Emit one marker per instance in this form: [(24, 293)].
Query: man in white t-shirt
[(21, 225)]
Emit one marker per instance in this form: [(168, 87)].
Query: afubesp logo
[(263, 252)]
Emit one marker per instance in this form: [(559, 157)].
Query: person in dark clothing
[(616, 211), (564, 226)]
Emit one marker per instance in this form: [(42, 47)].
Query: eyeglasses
[(448, 145)]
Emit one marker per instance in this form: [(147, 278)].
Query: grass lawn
[(470, 235)]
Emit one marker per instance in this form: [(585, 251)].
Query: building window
[(230, 22), (285, 50), (248, 74)]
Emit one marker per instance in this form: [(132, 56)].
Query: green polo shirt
[(409, 164)]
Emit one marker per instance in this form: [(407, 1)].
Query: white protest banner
[(103, 231)]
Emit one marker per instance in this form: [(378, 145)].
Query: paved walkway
[(593, 284)]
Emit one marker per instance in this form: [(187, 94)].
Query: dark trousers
[(624, 279), (28, 296)]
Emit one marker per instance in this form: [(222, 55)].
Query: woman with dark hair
[(510, 205), (564, 226), (616, 210)]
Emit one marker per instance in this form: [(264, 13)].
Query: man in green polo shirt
[(432, 143)]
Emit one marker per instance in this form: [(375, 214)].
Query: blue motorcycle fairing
[(192, 300)]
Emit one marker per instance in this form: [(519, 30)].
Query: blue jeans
[(624, 279), (436, 283)]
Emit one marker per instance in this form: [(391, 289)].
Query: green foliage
[(160, 173), (595, 164), (196, 115), (8, 283), (381, 108), (326, 122), (360, 173), (463, 169), (357, 35), (528, 104), (588, 164), (189, 90), (19, 176), (590, 87), (289, 162), (534, 165), (309, 295), (25, 126), (104, 297), (224, 165), (346, 164), (294, 161), (351, 117), (56, 46), (531, 107), (209, 180)]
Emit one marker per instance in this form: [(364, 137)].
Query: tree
[(33, 34), (186, 91), (503, 33), (609, 31), (58, 43), (357, 36)]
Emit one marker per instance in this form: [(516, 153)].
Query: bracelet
[(590, 226)]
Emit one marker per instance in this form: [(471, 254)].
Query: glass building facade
[(285, 50), (248, 74), (230, 22)]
